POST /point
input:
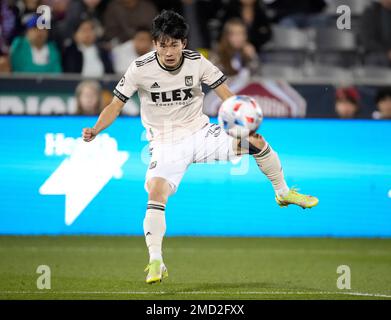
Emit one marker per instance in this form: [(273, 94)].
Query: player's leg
[(269, 163), (267, 160), (166, 169), (218, 145), (155, 227)]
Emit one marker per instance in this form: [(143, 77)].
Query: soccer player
[(168, 81)]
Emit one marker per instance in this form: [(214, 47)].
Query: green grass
[(199, 268)]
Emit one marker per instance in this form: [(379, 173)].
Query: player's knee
[(158, 189), (256, 143)]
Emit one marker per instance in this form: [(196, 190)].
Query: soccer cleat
[(293, 197), (156, 272)]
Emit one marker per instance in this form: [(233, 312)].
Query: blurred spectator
[(26, 10), (175, 5), (383, 103), (9, 25), (5, 66), (233, 52), (347, 102), (298, 13), (83, 55), (252, 13), (375, 32), (88, 98), (124, 53), (123, 17), (59, 8), (33, 52), (77, 11), (235, 57)]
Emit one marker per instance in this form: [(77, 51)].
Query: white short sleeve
[(210, 74), (127, 86)]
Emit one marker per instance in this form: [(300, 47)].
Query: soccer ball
[(240, 116)]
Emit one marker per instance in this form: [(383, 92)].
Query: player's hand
[(89, 134)]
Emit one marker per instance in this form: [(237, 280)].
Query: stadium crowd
[(97, 37)]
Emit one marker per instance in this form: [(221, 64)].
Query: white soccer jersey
[(171, 100)]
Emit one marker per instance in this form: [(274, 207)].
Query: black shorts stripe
[(215, 84), (120, 96)]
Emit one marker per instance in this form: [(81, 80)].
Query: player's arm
[(223, 91), (215, 79), (106, 118), (125, 88)]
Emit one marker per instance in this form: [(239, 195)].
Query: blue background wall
[(347, 164)]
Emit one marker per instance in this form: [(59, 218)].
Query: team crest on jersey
[(189, 81), (213, 130), (152, 165)]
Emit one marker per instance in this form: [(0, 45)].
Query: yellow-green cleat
[(156, 271), (293, 197)]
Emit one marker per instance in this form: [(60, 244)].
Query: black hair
[(83, 20), (169, 24), (383, 94)]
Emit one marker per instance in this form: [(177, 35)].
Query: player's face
[(170, 51)]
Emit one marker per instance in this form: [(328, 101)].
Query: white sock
[(270, 165), (154, 229)]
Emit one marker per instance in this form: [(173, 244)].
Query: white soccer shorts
[(170, 160)]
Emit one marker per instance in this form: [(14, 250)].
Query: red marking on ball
[(237, 106)]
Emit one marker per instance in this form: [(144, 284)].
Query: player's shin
[(154, 229), (269, 163)]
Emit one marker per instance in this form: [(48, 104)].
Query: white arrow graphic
[(81, 176)]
